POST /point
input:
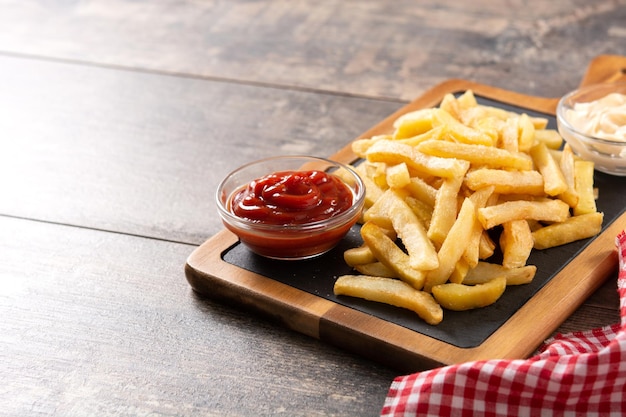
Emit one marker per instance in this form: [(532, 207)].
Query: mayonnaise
[(604, 118)]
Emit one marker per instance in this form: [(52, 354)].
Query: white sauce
[(604, 118)]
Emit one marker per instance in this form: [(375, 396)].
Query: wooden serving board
[(299, 293)]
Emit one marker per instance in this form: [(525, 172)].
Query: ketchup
[(292, 197)]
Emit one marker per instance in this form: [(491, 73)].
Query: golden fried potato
[(471, 255), (553, 179), (583, 178), (390, 291), (398, 175), (542, 210), (409, 228), (478, 155), (453, 246), (393, 152), (485, 271), (516, 243), (575, 228), (527, 132), (506, 182), (358, 256), (376, 269), (460, 297), (550, 137), (413, 123), (423, 191), (566, 163), (445, 210), (388, 253)]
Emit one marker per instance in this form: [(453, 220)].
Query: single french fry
[(486, 247), (516, 243), (527, 132), (422, 210), (539, 123), (358, 256), (471, 255), (460, 297), (387, 252), (477, 155), (377, 213), (376, 269), (583, 179), (398, 175), (445, 210), (423, 191), (393, 152), (506, 182), (390, 291), (550, 137), (412, 124), (575, 228), (542, 210), (553, 179), (453, 246), (460, 271), (566, 162), (422, 254), (486, 271)]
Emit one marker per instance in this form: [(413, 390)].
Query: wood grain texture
[(117, 120), (367, 47), (144, 153), (97, 323)]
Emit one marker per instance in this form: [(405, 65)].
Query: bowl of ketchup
[(291, 207)]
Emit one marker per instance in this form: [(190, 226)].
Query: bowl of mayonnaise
[(592, 120)]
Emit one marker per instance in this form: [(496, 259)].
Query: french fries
[(390, 255), (459, 297), (516, 242), (390, 291), (450, 187), (453, 246), (543, 210)]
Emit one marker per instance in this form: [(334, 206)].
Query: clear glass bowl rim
[(335, 221), (566, 103)]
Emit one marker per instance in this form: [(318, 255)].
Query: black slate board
[(461, 329)]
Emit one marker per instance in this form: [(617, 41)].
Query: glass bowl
[(574, 117), (290, 241)]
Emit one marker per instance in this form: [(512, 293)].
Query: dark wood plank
[(99, 323), (538, 47), (143, 153), (123, 116)]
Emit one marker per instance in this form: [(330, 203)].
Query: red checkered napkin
[(581, 373)]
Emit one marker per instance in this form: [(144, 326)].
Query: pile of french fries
[(449, 187)]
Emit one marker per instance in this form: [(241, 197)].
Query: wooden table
[(118, 119)]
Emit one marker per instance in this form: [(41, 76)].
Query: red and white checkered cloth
[(578, 374)]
